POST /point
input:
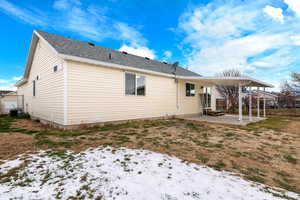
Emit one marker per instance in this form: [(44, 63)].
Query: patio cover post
[(250, 104), (264, 102), (240, 103), (258, 103)]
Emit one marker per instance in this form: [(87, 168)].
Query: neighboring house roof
[(11, 93), (87, 50), (264, 93), (4, 92)]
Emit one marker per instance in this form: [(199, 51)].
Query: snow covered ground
[(123, 174)]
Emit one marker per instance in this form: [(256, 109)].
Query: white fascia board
[(112, 65), (33, 44), (21, 82), (123, 67), (46, 42), (242, 78)]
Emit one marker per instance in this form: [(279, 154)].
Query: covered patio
[(224, 119), (240, 82)]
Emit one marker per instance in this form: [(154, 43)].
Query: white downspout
[(240, 103)]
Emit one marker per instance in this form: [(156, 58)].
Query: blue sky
[(260, 38)]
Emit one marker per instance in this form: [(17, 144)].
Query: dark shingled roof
[(85, 50)]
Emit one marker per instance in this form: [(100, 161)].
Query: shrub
[(13, 113)]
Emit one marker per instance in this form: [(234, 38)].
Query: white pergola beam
[(240, 103), (250, 104), (258, 103), (264, 102)]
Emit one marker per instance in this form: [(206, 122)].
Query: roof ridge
[(54, 37), (107, 48)]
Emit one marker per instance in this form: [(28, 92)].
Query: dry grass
[(266, 151)]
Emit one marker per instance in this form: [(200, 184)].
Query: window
[(33, 88), (135, 84), (140, 85), (55, 68), (190, 90)]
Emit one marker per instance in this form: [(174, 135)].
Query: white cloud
[(139, 51), (130, 35), (236, 34), (167, 55), (262, 64), (17, 78), (294, 5), (9, 84), (133, 41), (25, 15), (61, 5), (92, 23), (9, 88), (296, 39), (86, 25), (3, 81), (65, 4), (88, 21), (275, 13)]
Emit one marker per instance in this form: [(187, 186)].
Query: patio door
[(205, 99)]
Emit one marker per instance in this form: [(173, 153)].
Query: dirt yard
[(267, 152)]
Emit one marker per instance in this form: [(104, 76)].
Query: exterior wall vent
[(55, 68)]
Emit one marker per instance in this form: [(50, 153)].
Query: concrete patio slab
[(225, 119)]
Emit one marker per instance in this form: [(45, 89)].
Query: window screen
[(190, 90), (141, 87), (129, 84)]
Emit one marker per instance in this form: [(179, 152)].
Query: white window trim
[(194, 89), (209, 107), (136, 74)]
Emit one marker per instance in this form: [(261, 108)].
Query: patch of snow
[(125, 174), (8, 165)]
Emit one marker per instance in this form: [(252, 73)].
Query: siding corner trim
[(65, 71)]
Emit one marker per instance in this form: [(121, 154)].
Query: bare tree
[(293, 85), (229, 92), (289, 91), (295, 81)]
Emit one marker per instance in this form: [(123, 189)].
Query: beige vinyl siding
[(188, 104), (48, 101), (97, 94)]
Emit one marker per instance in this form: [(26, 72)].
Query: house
[(289, 99), (271, 98), (9, 101), (3, 92), (68, 82)]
